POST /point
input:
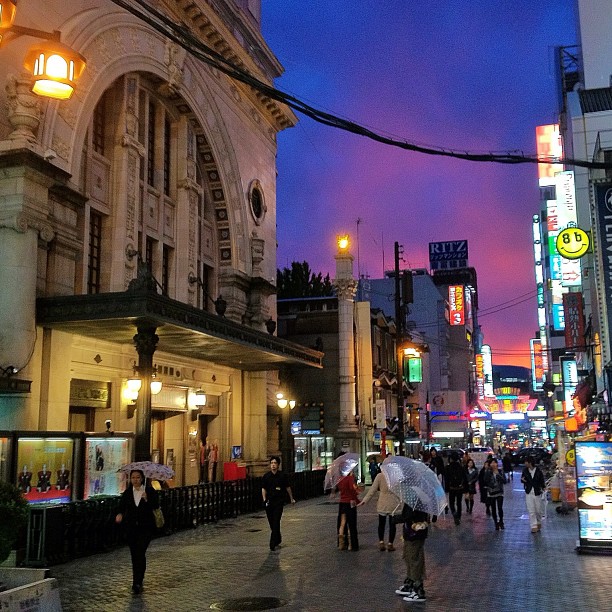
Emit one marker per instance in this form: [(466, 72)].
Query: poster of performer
[(103, 457), (44, 469)]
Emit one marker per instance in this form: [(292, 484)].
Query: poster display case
[(5, 453), (44, 470), (104, 456), (594, 495)]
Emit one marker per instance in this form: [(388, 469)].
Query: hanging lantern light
[(156, 385), (55, 69), (7, 14)]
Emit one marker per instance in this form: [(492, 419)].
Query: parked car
[(539, 453), (445, 453), (479, 454)]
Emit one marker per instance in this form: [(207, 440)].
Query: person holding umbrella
[(136, 517)]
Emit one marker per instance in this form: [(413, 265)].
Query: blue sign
[(603, 194)]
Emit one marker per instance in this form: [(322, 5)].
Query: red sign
[(574, 321), (456, 305)]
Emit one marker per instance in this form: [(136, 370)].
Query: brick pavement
[(470, 568)]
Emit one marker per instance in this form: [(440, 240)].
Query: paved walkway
[(471, 568)]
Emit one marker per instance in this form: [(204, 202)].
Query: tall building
[(138, 231)]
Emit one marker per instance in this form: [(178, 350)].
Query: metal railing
[(59, 533)]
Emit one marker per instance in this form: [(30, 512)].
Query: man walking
[(534, 483), (275, 485), (456, 484)]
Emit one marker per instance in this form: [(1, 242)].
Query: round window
[(257, 202)]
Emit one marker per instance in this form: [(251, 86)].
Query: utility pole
[(399, 335)]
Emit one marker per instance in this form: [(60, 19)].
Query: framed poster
[(103, 458), (170, 458), (44, 469), (155, 455)]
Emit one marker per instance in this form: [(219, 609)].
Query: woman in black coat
[(136, 516)]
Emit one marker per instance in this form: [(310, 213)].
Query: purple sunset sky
[(472, 75)]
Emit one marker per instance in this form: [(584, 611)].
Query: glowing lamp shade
[(7, 14), (282, 402), (200, 399), (156, 387), (343, 242), (134, 384), (55, 69), (292, 404)]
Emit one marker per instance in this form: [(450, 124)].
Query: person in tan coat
[(388, 504)]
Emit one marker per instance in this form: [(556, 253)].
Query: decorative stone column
[(346, 287), (146, 342)]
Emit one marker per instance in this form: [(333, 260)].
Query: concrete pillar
[(346, 287)]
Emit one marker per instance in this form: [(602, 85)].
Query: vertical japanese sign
[(574, 321), (479, 375), (456, 304), (537, 364)]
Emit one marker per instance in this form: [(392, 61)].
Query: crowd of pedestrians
[(462, 481)]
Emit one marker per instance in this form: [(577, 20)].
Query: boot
[(467, 506), (471, 506), (501, 525), (341, 542), (497, 526)]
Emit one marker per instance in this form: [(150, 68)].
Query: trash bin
[(555, 488)]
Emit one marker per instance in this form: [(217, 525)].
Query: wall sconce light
[(200, 399), (282, 402), (220, 304), (55, 68), (134, 384)]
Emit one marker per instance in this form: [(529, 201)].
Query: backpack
[(455, 477)]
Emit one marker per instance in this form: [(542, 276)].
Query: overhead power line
[(184, 37)]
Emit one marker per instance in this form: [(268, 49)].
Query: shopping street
[(470, 567)]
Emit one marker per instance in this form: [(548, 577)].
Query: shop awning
[(182, 329)]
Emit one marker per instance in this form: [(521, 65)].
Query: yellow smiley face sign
[(573, 243)]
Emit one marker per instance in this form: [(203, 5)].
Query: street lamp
[(134, 383), (55, 68)]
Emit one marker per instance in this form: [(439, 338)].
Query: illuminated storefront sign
[(537, 369), (569, 374), (479, 375), (573, 242), (449, 254), (593, 479), (549, 145), (507, 404), (574, 321), (487, 368), (456, 305)]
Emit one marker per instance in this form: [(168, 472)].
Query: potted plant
[(20, 586), (13, 517)]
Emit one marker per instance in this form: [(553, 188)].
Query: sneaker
[(418, 595), (405, 589), (390, 547), (381, 546)]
